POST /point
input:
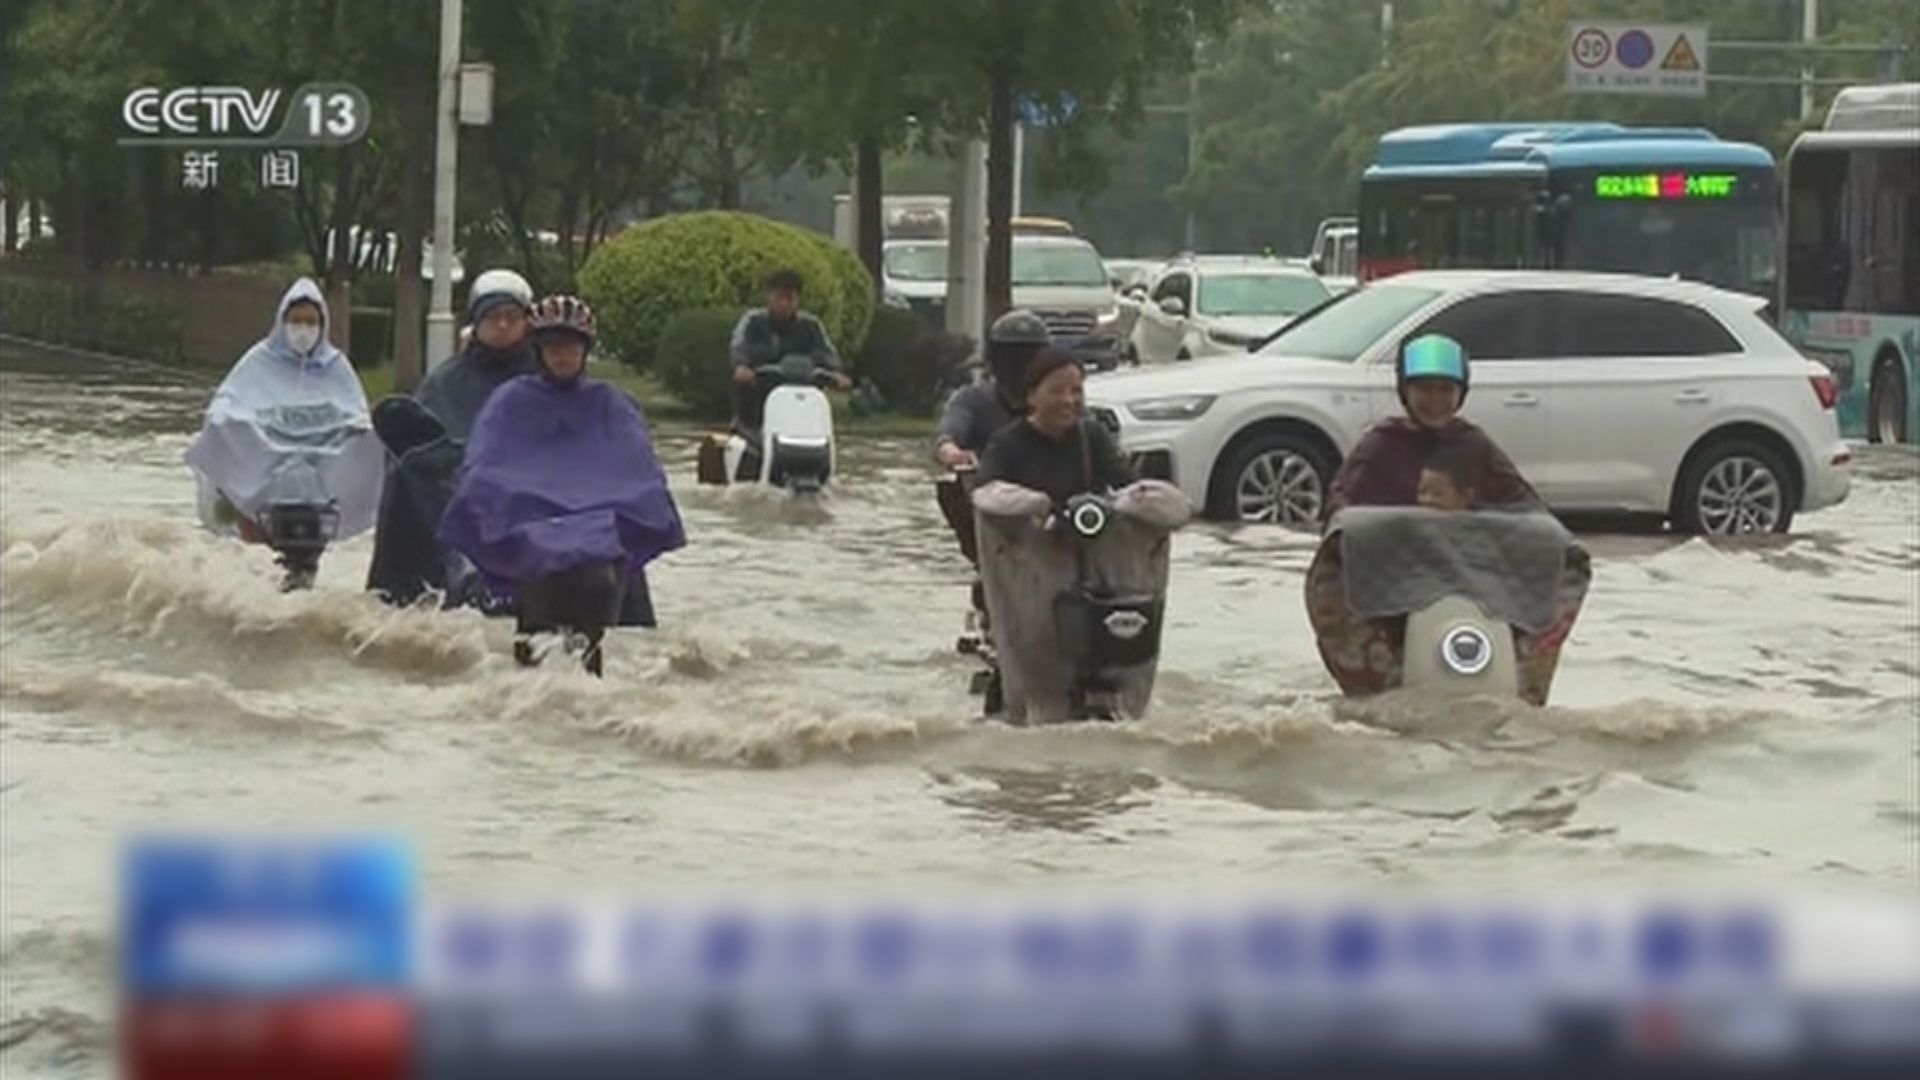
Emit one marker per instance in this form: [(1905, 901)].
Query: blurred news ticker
[(317, 957)]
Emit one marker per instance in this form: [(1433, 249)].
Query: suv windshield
[(1259, 294), (1058, 264), (917, 262), (1343, 328)]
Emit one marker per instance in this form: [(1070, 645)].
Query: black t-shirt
[(1022, 454)]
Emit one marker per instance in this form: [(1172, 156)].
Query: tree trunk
[(416, 215), (867, 182), (339, 253), (999, 276), (34, 220), (9, 210)]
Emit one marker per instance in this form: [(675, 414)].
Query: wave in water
[(199, 701), (154, 579)]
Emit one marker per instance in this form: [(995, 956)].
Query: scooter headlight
[(1088, 516), (1466, 649)]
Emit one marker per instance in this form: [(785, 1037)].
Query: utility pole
[(446, 146), (1809, 30), (1193, 149)]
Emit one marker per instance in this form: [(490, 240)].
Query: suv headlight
[(1183, 407)]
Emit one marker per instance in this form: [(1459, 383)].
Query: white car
[(1207, 306), (1610, 392)]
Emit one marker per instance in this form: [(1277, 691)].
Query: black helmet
[(1019, 327)]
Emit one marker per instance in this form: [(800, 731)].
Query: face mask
[(303, 337)]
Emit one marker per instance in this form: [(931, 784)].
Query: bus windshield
[(1726, 244), (1852, 212)]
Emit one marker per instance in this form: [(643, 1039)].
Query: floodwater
[(1739, 714)]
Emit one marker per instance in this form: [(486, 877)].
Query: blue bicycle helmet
[(1433, 356)]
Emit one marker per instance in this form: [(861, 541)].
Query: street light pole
[(1809, 30), (446, 146)]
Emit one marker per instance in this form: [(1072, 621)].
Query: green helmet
[(1019, 327)]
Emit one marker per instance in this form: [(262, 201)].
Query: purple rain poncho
[(558, 475)]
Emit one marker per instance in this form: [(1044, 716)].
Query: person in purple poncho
[(561, 501)]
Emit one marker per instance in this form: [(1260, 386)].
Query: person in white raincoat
[(289, 426)]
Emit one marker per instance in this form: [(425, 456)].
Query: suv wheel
[(1735, 487), (1277, 478)]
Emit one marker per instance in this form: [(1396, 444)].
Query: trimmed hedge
[(692, 360), (913, 365), (372, 332), (641, 279), (62, 314)]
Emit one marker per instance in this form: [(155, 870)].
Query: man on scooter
[(974, 414), (770, 335)]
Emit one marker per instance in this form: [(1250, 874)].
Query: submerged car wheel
[(1277, 478), (1734, 488), (1887, 404)]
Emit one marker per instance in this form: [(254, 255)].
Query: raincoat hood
[(276, 342), (288, 427)]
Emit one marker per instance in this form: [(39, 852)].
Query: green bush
[(692, 360), (372, 337), (63, 314), (639, 280)]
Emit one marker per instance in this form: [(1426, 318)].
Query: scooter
[(1076, 599), (298, 533), (952, 493), (1473, 603), (794, 446), (294, 478)]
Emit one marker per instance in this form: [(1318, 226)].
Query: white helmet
[(501, 283)]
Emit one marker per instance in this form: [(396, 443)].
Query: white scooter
[(794, 446)]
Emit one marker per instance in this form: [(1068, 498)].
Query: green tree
[(1100, 57), (1264, 173)]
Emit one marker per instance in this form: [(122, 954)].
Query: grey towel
[(1399, 559), (1023, 569)]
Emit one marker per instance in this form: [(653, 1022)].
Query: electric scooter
[(793, 447)]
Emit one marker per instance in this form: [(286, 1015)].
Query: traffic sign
[(1035, 112), (1636, 58)]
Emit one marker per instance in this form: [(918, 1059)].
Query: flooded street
[(1738, 714)]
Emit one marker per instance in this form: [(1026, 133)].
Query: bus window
[(1893, 265)]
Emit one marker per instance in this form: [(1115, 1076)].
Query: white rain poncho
[(289, 428)]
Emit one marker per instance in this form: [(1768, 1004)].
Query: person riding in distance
[(293, 376), (562, 501), (423, 433), (456, 390), (1385, 465), (1053, 449), (770, 335), (974, 414)]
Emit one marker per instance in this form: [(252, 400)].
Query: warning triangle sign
[(1681, 57)]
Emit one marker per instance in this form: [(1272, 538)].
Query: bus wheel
[(1887, 403)]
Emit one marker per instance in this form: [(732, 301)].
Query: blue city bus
[(1851, 294), (1577, 196)]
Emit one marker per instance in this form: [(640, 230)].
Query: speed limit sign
[(1592, 47)]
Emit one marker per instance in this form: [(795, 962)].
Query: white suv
[(1610, 392)]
